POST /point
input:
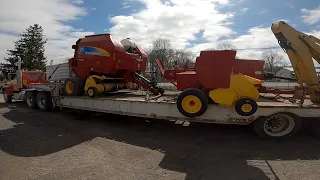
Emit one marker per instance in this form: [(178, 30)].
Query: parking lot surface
[(58, 145)]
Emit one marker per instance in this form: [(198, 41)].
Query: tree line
[(162, 49), (30, 48)]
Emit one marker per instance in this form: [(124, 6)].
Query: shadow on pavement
[(202, 151)]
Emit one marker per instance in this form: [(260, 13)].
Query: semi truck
[(278, 116)]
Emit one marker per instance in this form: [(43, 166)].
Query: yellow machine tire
[(74, 86), (92, 91), (192, 102), (246, 107)]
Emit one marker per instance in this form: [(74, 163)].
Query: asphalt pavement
[(61, 145)]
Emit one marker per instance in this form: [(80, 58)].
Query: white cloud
[(51, 15), (263, 12), (177, 20), (257, 37), (314, 33), (250, 45), (244, 10), (186, 21), (235, 3), (288, 4), (78, 1), (125, 5), (311, 16)]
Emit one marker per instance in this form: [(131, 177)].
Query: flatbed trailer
[(274, 119)]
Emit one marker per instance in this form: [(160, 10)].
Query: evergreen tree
[(30, 48)]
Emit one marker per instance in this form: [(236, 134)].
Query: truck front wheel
[(44, 101), (7, 99)]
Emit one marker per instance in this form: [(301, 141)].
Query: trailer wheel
[(44, 101), (277, 126), (192, 102), (246, 107), (74, 86), (7, 99), (314, 128), (31, 99)]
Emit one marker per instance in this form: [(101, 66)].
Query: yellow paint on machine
[(191, 104), (240, 86)]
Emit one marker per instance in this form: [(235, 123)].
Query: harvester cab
[(102, 64), (129, 45)]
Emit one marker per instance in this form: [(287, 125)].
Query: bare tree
[(162, 49), (273, 60), (182, 57), (225, 46)]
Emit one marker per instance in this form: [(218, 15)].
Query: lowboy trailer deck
[(274, 119)]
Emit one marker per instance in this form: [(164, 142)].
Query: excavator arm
[(301, 50)]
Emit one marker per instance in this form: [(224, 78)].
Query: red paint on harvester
[(252, 68)]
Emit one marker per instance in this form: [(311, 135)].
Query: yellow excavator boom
[(301, 50)]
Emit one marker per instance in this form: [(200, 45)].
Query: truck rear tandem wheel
[(44, 101), (41, 100), (31, 99)]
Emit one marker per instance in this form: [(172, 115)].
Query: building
[(288, 72)]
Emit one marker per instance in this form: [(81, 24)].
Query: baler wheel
[(74, 86), (92, 91), (192, 102), (246, 107)]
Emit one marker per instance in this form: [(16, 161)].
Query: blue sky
[(259, 13), (189, 24)]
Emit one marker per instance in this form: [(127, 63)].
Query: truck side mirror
[(73, 46)]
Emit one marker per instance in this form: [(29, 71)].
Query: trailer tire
[(44, 101), (283, 125), (314, 128), (74, 86), (31, 99), (246, 107), (192, 102)]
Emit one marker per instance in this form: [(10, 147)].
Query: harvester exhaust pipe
[(19, 73)]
